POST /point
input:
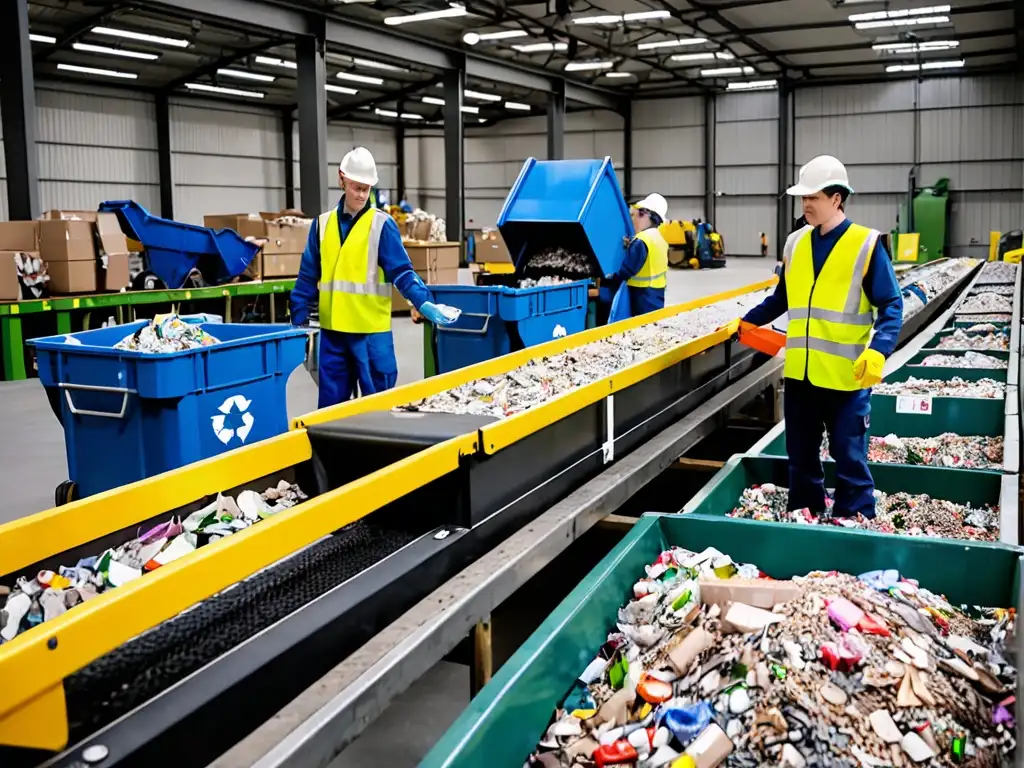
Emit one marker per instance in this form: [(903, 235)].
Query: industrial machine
[(926, 212), (1011, 246), (694, 244)]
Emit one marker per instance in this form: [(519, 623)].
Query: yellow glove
[(868, 368)]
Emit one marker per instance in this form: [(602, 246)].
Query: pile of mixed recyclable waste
[(922, 284), (997, 272), (49, 594), (980, 336), (955, 387), (966, 360), (540, 380), (165, 334), (946, 450), (1001, 290), (902, 513), (985, 303), (557, 263), (997, 317), (541, 282), (711, 663)]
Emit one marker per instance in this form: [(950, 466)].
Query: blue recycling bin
[(173, 249), (131, 415), (574, 204)]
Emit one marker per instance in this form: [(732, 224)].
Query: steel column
[(288, 135), (556, 121), (784, 207), (163, 155), (18, 110), (710, 122), (312, 76), (627, 150), (399, 164), (454, 175)]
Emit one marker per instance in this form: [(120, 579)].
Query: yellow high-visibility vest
[(830, 317), (654, 272), (354, 295)]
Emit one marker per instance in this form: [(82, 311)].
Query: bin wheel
[(66, 493), (147, 281)]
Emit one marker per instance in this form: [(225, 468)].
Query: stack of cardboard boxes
[(435, 263), (84, 252), (284, 235)]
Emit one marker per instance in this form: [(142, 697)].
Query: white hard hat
[(823, 171), (359, 166), (654, 203)]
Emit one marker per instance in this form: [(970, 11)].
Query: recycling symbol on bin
[(234, 419), (559, 331)]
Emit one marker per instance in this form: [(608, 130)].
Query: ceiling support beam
[(163, 154), (556, 125), (785, 162), (79, 28), (412, 89), (627, 150), (454, 168), (18, 111), (224, 61), (710, 159), (312, 76), (288, 135)]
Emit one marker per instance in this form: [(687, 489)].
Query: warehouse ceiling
[(635, 48)]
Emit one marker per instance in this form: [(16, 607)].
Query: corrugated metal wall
[(970, 130), (668, 153)]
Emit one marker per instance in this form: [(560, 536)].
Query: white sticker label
[(919, 404), (559, 332)]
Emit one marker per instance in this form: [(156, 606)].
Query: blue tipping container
[(173, 248), (131, 415), (574, 204)]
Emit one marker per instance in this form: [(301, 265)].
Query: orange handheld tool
[(762, 339)]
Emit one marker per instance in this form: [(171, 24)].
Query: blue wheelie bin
[(131, 415), (573, 204), (173, 249)]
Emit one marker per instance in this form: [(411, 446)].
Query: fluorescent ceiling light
[(580, 66), (952, 64), (471, 110), (704, 56), (174, 42), (876, 15), (48, 39), (908, 22), (672, 43), (481, 120), (386, 112), (724, 71), (411, 116), (929, 45), (517, 105), (432, 100), (359, 78), (752, 85), (472, 38), (902, 18), (115, 52), (540, 47), (369, 64), (480, 95), (619, 19), (453, 11), (243, 75), (618, 74), (225, 91), (95, 71), (340, 89), (273, 62)]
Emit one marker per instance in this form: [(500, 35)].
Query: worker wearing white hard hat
[(353, 256), (845, 314), (644, 270)]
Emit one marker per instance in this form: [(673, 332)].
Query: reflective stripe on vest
[(354, 297), (654, 272), (830, 317)]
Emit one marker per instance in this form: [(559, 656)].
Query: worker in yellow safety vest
[(645, 267), (353, 256), (845, 313)]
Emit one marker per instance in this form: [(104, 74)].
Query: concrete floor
[(32, 463)]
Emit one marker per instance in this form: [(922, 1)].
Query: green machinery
[(929, 214)]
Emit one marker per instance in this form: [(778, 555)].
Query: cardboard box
[(67, 241), (434, 255), (73, 215), (490, 248), (245, 224), (444, 276), (277, 265), (417, 229), (70, 277), (19, 236), (10, 288), (112, 239), (117, 274)]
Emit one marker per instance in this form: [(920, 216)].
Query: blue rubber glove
[(434, 314)]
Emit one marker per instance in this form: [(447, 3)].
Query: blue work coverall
[(355, 360), (641, 300), (845, 416)]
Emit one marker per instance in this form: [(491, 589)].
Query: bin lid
[(575, 204)]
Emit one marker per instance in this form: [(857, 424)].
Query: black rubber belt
[(123, 679)]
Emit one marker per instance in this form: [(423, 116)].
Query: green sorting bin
[(502, 725)]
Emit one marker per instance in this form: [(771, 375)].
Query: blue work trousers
[(355, 364), (846, 417), (644, 300)]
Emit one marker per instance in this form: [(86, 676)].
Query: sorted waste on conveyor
[(967, 360), (902, 513), (540, 380), (166, 334), (997, 272), (946, 450), (955, 387), (1001, 290), (712, 663), (50, 594), (985, 303), (971, 317), (977, 337), (922, 284)]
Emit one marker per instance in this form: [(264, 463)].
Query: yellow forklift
[(693, 244)]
